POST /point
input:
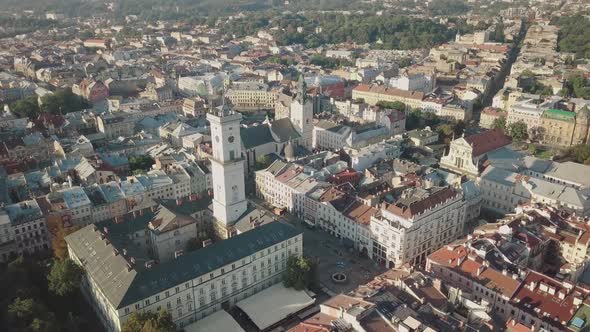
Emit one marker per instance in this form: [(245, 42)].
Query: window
[(126, 310), (177, 289), (157, 297)]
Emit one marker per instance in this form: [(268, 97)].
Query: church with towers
[(235, 150), (297, 107), (292, 128)]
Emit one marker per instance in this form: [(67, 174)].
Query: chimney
[(179, 201), (141, 212), (154, 208), (480, 269), (532, 285), (178, 253), (124, 252)]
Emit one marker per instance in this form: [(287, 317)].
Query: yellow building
[(372, 94), (557, 127)]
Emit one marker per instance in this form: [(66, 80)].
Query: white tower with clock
[(227, 166)]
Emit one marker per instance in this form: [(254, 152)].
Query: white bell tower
[(227, 166)]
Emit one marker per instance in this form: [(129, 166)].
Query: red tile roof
[(487, 141), (418, 207), (360, 213), (390, 91), (548, 296)]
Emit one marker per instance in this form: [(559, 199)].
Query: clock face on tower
[(230, 139)]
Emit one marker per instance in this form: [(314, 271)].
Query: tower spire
[(301, 89)]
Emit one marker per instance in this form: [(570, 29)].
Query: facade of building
[(251, 96), (329, 135), (466, 154), (416, 225), (26, 227), (119, 280), (372, 94), (557, 127)]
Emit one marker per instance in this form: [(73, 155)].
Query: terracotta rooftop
[(390, 91), (415, 207), (456, 258), (345, 301), (360, 213), (487, 141), (548, 299)]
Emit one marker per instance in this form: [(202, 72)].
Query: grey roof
[(284, 129), (123, 286), (255, 136), (571, 172), (499, 175)]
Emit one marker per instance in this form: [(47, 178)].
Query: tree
[(396, 105), (25, 108), (58, 243), (63, 102), (299, 273), (28, 314), (65, 277), (499, 123), (445, 130), (580, 153), (149, 322), (459, 128), (518, 130), (262, 162), (141, 163), (193, 244)]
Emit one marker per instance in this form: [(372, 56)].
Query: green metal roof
[(560, 115)]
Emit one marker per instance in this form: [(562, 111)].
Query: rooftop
[(123, 286)]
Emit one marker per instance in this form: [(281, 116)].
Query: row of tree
[(574, 35), (315, 29), (59, 102), (34, 299), (517, 130)]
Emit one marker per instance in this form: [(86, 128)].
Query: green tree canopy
[(580, 153), (149, 322), (28, 314), (262, 162), (396, 105), (65, 277), (518, 130), (499, 123), (140, 163), (574, 35), (25, 108), (62, 102), (299, 273)]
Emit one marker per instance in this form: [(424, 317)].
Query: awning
[(274, 304), (218, 321)]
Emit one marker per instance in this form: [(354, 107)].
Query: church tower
[(227, 166), (302, 113)]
